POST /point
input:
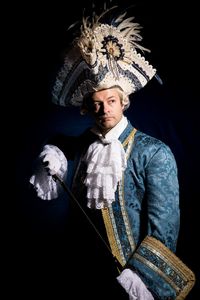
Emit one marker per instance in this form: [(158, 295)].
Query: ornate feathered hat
[(102, 56)]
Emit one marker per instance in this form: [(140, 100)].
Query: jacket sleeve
[(166, 276), (162, 193)]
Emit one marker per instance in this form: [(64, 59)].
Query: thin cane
[(66, 188)]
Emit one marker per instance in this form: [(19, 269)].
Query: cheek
[(120, 110)]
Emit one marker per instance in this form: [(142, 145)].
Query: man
[(124, 175)]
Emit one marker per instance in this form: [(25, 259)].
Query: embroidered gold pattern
[(129, 141), (129, 138), (107, 214), (111, 236), (156, 269), (176, 266)]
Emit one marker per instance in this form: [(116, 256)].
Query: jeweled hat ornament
[(102, 56)]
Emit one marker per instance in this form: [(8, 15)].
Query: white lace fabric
[(106, 161), (44, 184)]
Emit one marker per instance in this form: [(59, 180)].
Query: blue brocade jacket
[(142, 225)]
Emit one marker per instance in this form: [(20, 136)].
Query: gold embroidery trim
[(121, 192), (156, 269), (131, 135), (111, 235), (108, 222), (173, 261)]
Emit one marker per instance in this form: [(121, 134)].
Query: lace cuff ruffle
[(44, 184)]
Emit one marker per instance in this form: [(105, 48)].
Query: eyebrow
[(100, 100)]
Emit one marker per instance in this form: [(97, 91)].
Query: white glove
[(51, 161), (134, 286), (54, 160)]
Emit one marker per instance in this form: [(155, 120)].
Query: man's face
[(107, 108)]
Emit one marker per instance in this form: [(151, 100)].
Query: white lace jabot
[(106, 161)]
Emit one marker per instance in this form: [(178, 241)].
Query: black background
[(38, 39)]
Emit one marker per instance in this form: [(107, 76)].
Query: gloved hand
[(51, 161), (134, 286)]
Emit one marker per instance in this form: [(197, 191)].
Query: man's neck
[(114, 131), (104, 131)]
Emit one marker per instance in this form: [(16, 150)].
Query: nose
[(105, 108)]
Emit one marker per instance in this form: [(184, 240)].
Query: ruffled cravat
[(106, 161)]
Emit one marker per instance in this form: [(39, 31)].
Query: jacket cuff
[(166, 276)]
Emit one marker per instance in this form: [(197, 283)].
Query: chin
[(108, 125)]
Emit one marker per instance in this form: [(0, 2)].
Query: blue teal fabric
[(147, 205), (151, 184)]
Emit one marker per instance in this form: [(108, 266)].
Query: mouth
[(106, 119)]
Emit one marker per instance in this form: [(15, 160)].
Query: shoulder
[(145, 141), (149, 148), (142, 140)]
